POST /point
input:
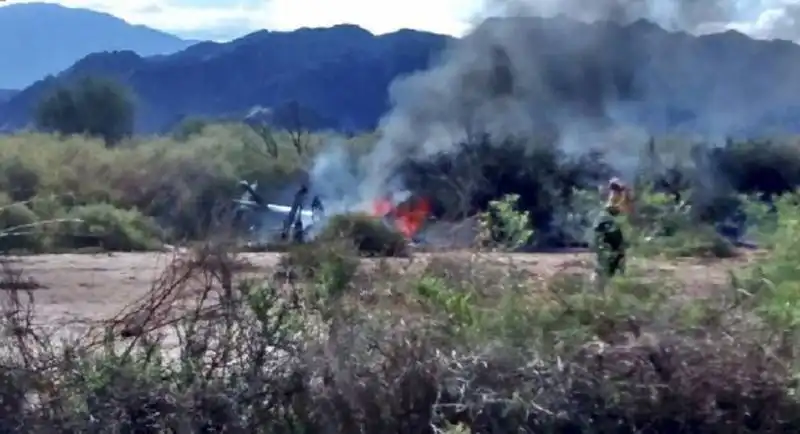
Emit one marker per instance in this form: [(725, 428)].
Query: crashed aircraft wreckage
[(299, 224)]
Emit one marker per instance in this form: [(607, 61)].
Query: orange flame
[(409, 216)]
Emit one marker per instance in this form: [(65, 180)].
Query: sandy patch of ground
[(94, 287)]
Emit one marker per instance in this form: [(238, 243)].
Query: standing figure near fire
[(609, 240), (619, 196)]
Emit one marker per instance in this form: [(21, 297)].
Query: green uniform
[(609, 244)]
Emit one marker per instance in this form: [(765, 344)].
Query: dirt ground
[(87, 287)]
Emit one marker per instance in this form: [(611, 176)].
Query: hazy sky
[(227, 19)]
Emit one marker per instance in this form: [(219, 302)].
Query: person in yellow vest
[(609, 240), (619, 196)]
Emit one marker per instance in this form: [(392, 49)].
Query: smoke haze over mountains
[(583, 86), (762, 19)]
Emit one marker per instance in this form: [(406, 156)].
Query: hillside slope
[(341, 73), (721, 84), (37, 39)]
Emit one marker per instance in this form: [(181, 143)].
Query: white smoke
[(490, 82), (335, 178), (340, 179)]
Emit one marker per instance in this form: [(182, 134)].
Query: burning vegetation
[(408, 217)]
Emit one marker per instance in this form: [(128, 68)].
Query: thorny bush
[(464, 343)]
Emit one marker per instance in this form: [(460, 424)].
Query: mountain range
[(39, 39), (341, 72), (636, 73)]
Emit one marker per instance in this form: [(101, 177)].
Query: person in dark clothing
[(609, 243)]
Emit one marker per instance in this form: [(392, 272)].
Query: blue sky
[(227, 19)]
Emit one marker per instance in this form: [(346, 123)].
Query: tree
[(94, 106), (296, 120), (299, 121)]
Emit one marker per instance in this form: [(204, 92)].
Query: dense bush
[(542, 176), (18, 227), (186, 184), (108, 228), (97, 107), (662, 228), (370, 236)]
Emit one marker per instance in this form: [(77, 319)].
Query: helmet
[(616, 184)]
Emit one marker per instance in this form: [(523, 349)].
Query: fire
[(408, 216), (381, 207)]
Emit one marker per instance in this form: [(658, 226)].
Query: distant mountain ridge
[(43, 38), (636, 73), (341, 72)]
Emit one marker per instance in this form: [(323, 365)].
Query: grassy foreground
[(331, 344)]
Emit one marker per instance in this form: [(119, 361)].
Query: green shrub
[(775, 279), (370, 236), (505, 226), (329, 267), (699, 242), (660, 227), (305, 261), (19, 228), (19, 179), (191, 126), (104, 226), (49, 207), (95, 106)]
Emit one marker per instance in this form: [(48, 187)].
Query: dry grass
[(497, 344), (96, 286)]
